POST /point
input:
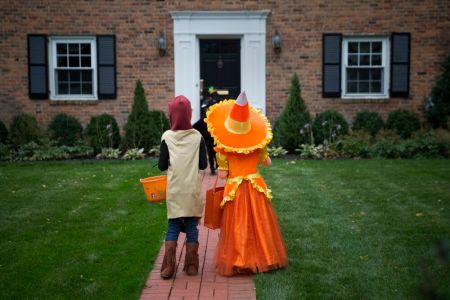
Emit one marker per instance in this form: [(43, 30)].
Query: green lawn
[(354, 229), (76, 230), (359, 229)]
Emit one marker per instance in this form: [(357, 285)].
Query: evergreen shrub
[(65, 129), (328, 126), (102, 132), (24, 129), (144, 128), (368, 121), (3, 133), (437, 106), (404, 122), (356, 144), (292, 119)]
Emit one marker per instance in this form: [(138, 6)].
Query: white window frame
[(53, 64), (385, 61)]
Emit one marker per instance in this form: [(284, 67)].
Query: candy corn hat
[(238, 127)]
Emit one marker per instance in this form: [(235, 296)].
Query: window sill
[(365, 100), (73, 102)]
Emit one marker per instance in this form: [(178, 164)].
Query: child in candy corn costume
[(250, 239)]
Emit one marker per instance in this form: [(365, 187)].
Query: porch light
[(276, 41), (161, 44)]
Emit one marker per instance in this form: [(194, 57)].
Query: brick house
[(83, 57)]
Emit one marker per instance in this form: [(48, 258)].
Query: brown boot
[(168, 265), (191, 259)]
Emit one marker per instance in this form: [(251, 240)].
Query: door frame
[(191, 26)]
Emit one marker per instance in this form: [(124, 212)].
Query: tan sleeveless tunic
[(183, 176)]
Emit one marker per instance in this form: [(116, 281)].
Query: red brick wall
[(137, 24)]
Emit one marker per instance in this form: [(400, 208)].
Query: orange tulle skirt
[(250, 239)]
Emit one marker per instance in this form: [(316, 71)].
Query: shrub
[(368, 121), (160, 124), (154, 151), (443, 137), (44, 149), (6, 153), (404, 122), (65, 129), (277, 151), (356, 144), (3, 133), (291, 120), (108, 153), (426, 145), (328, 126), (79, 150), (134, 153), (311, 151), (385, 144), (385, 148), (50, 153), (144, 128), (26, 151), (437, 106), (102, 132), (24, 129)]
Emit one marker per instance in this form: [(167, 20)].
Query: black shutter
[(37, 66), (400, 58), (106, 62), (331, 67)]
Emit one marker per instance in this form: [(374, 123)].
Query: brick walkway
[(206, 285)]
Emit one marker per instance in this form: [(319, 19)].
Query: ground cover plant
[(362, 229), (77, 230)]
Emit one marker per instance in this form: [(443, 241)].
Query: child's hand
[(223, 174), (267, 162)]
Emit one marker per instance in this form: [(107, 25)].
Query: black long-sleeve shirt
[(164, 162)]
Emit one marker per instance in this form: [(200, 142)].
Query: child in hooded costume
[(250, 239), (182, 154)]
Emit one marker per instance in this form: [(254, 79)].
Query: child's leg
[(169, 262), (173, 229), (190, 224), (191, 259)]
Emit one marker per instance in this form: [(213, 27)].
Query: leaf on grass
[(364, 257), (419, 214)]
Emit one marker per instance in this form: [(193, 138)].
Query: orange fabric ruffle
[(232, 185), (250, 239)]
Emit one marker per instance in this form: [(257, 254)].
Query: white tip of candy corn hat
[(242, 99)]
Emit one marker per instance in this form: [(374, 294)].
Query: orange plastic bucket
[(155, 188)]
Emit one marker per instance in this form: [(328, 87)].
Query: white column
[(186, 82)]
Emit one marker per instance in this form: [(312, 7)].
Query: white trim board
[(250, 26)]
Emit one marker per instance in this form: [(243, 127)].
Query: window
[(72, 72), (365, 67)]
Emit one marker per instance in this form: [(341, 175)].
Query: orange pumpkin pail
[(155, 188)]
